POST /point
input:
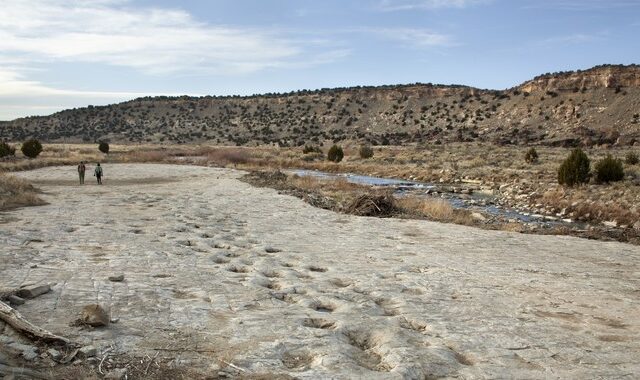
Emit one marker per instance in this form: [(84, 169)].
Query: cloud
[(406, 5), (151, 40), (20, 96), (417, 38), (14, 85), (583, 5), (572, 39)]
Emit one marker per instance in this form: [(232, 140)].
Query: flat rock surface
[(341, 296)]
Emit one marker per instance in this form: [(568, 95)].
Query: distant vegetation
[(609, 169), (531, 156), (31, 148), (6, 149), (335, 154), (575, 169), (311, 149), (103, 147), (366, 151)]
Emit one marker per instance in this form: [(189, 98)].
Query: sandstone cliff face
[(596, 106), (599, 77)]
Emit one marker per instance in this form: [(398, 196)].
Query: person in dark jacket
[(98, 173), (81, 169)]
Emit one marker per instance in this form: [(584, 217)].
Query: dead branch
[(21, 325)]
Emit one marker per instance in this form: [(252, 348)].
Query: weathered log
[(21, 325)]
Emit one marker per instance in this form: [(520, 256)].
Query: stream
[(481, 202)]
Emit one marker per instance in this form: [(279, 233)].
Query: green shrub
[(366, 151), (609, 169), (335, 154), (104, 147), (575, 169), (531, 156), (31, 148), (311, 149), (6, 149), (631, 158)]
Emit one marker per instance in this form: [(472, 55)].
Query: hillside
[(596, 106)]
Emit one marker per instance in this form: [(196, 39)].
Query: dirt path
[(228, 272)]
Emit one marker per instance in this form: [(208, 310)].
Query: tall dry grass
[(16, 192), (309, 183), (227, 156), (434, 209)]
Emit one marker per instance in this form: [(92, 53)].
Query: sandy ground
[(216, 270)]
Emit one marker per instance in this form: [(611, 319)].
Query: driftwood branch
[(21, 325)]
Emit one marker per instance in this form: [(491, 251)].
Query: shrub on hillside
[(335, 154), (531, 156), (575, 169), (311, 149), (609, 169), (6, 149), (104, 147), (631, 158), (31, 148), (366, 151)]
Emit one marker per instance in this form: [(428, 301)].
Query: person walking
[(98, 173), (81, 169)]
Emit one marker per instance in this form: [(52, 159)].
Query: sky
[(59, 54)]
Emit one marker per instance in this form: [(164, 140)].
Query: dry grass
[(226, 156), (16, 192), (438, 209), (434, 209), (145, 156), (308, 183)]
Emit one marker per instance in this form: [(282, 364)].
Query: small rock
[(87, 351), (478, 216), (15, 300), (272, 250), (4, 359), (30, 355), (610, 223), (54, 354), (33, 292), (26, 351), (117, 278), (94, 315), (116, 374), (636, 225)]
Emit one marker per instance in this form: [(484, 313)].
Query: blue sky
[(57, 54)]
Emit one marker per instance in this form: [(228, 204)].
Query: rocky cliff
[(596, 106)]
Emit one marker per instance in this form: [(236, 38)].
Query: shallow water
[(405, 187)]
